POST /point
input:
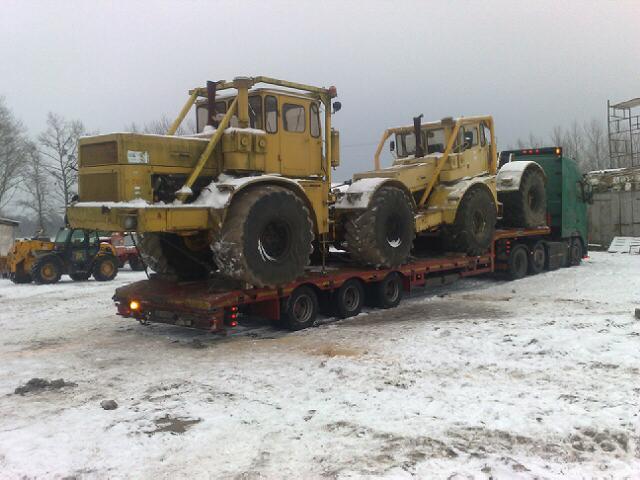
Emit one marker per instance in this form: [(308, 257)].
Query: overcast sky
[(531, 65)]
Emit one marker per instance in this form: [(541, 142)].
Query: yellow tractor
[(248, 195), (442, 184), (77, 252)]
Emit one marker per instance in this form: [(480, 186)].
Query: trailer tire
[(382, 235), (526, 207), (266, 239), (387, 293), (475, 223), (575, 252), (46, 270), (299, 310), (105, 268), (349, 298), (537, 258), (518, 262)]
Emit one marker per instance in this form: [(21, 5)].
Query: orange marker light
[(557, 151), (134, 305)]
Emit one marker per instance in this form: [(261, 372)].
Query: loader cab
[(292, 124), (77, 246)]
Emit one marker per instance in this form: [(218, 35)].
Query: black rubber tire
[(382, 235), (575, 252), (105, 268), (167, 254), (387, 293), (518, 263), (299, 310), (266, 239), (537, 258), (80, 276), (349, 298), (46, 270), (526, 207), (475, 223), (20, 276), (136, 263)]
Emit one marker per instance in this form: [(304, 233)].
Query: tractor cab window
[(470, 136), (406, 144), (271, 111), (435, 140), (314, 120), (485, 134), (293, 118), (202, 112), (255, 112), (77, 237), (63, 236), (94, 239)]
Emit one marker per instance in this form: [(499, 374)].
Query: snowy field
[(538, 378)]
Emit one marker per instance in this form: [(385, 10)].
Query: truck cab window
[(293, 118), (271, 113)]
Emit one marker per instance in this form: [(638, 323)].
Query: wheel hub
[(274, 240)]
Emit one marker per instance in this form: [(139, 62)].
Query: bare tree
[(12, 149), (36, 186), (161, 126), (596, 148), (59, 144), (557, 136)]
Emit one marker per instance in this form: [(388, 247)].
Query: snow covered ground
[(538, 378)]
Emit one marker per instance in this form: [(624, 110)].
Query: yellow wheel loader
[(248, 195), (77, 253), (441, 185)]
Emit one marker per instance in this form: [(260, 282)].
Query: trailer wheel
[(105, 268), (518, 262), (387, 293), (475, 223), (382, 235), (266, 237), (537, 258), (300, 309), (46, 270), (575, 252), (349, 298)]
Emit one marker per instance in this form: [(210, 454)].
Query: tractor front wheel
[(46, 270), (105, 268)]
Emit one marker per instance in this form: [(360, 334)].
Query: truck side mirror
[(392, 145), (336, 106)]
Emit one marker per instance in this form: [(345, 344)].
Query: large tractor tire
[(171, 254), (382, 235), (475, 223), (46, 270), (105, 268), (526, 207), (266, 239)]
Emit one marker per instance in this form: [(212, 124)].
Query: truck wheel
[(136, 264), (518, 262), (475, 223), (575, 252), (266, 237), (169, 254), (537, 258), (46, 270), (526, 207), (80, 276), (388, 292), (382, 235), (349, 298), (300, 309), (105, 268)]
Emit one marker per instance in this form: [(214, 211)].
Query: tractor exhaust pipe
[(211, 104), (417, 133)]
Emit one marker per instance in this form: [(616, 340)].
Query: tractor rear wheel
[(46, 270), (105, 268), (526, 207), (382, 235), (171, 254), (475, 224), (266, 238)]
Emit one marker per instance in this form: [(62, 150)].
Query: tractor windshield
[(63, 235), (433, 139)]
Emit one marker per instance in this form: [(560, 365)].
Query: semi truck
[(342, 287)]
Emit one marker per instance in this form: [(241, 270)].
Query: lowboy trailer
[(339, 290)]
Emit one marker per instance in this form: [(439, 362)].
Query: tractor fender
[(359, 194), (510, 175), (447, 198), (219, 194), (107, 249)]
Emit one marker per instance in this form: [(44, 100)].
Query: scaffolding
[(624, 133)]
